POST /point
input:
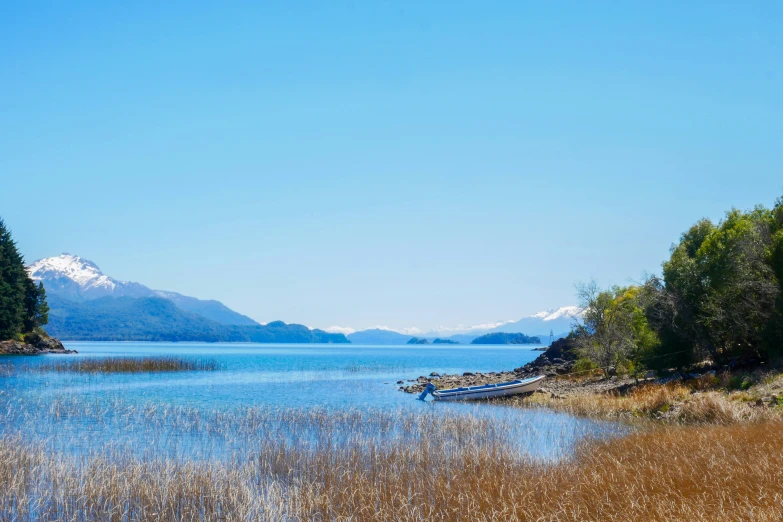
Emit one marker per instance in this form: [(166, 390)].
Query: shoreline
[(704, 396), (42, 347)]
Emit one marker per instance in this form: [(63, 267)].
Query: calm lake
[(76, 413)]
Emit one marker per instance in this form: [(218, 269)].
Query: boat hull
[(490, 391)]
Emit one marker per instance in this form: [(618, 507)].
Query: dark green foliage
[(444, 341), (565, 348), (36, 309), (158, 319), (22, 302), (506, 338), (720, 296), (773, 334), (416, 340)]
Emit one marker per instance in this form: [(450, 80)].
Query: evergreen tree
[(36, 309), (22, 302)]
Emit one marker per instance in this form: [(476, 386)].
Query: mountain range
[(557, 321), (86, 304), (77, 279)]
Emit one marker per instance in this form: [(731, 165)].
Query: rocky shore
[(542, 365), (41, 346), (557, 360), (703, 394)]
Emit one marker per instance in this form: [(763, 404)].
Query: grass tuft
[(129, 365)]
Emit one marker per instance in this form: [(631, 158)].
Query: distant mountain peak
[(82, 272), (568, 312), (76, 278)]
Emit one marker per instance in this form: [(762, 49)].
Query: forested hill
[(506, 338), (158, 319)]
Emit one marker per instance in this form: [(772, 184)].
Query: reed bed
[(99, 457), (674, 473), (673, 402), (129, 365)]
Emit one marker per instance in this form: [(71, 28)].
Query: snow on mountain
[(81, 271), (75, 277), (556, 320), (78, 279), (569, 312)]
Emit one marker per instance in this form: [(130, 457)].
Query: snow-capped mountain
[(557, 320), (552, 314), (77, 279), (73, 277)]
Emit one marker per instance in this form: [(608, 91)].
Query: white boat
[(485, 391)]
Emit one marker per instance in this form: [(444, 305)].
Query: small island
[(506, 338), (416, 340), (444, 341)]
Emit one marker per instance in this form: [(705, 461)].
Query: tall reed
[(128, 365), (460, 469)]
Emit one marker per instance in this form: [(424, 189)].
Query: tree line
[(719, 297), (23, 307)]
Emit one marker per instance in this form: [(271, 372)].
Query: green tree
[(12, 277), (773, 334), (720, 292), (36, 309), (22, 302), (615, 329)]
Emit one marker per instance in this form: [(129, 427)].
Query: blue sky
[(383, 163)]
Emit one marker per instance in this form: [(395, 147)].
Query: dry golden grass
[(128, 365), (675, 402), (696, 473), (641, 401)]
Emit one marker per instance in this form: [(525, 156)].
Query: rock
[(400, 382), (768, 399), (17, 348), (434, 374), (468, 374), (52, 345), (48, 345), (650, 374)]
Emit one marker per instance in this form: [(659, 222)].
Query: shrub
[(740, 382), (584, 365)]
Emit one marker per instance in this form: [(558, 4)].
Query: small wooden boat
[(486, 391)]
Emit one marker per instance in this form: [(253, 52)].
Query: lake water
[(76, 413)]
